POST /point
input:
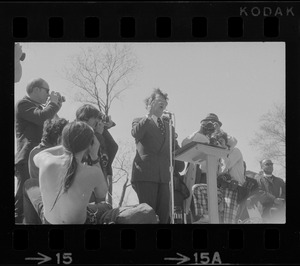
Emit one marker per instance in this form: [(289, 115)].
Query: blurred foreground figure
[(19, 56)]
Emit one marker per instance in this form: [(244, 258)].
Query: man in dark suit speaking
[(150, 170)]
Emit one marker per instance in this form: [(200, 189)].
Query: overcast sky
[(237, 81)]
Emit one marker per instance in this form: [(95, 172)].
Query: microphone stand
[(171, 168)]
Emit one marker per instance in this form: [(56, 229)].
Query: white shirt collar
[(154, 118), (265, 175)]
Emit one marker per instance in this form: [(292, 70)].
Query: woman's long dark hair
[(76, 137)]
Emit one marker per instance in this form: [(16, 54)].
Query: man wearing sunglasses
[(271, 192), (30, 115)]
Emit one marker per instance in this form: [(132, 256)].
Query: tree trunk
[(109, 197), (123, 192)]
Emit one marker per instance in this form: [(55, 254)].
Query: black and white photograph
[(150, 133)]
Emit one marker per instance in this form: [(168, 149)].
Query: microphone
[(167, 112)]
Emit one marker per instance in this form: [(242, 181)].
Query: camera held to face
[(213, 141), (105, 119), (104, 159), (207, 128), (61, 98)]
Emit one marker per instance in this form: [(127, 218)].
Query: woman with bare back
[(66, 183)]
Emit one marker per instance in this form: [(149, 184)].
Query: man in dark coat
[(108, 147), (151, 165), (271, 191), (30, 115)]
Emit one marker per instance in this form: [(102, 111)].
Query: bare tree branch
[(101, 74), (271, 138)]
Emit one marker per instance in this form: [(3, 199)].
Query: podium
[(195, 152)]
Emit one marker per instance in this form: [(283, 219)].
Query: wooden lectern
[(195, 153)]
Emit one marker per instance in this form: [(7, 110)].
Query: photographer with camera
[(108, 147), (30, 115), (196, 173), (209, 125)]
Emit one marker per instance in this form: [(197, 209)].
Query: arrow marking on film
[(42, 260), (181, 260)]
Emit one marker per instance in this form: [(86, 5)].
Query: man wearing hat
[(213, 118), (196, 174)]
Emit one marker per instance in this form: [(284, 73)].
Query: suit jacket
[(109, 147), (152, 159), (275, 188), (30, 117)]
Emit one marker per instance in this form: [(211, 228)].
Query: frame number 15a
[(206, 258)]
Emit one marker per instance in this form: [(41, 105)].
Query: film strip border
[(163, 28), (148, 245), (155, 22), (161, 22)]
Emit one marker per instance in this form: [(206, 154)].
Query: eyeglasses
[(46, 89), (268, 164)]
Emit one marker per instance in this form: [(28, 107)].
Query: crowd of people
[(241, 198), (63, 169)]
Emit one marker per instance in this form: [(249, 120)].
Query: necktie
[(161, 126)]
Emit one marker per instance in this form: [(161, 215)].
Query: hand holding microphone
[(167, 115)]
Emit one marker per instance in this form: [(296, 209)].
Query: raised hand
[(54, 97)]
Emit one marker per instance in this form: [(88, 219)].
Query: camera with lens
[(61, 98), (106, 118), (107, 121), (213, 141), (104, 159), (207, 128), (224, 181)]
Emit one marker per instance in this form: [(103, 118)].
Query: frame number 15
[(65, 258)]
